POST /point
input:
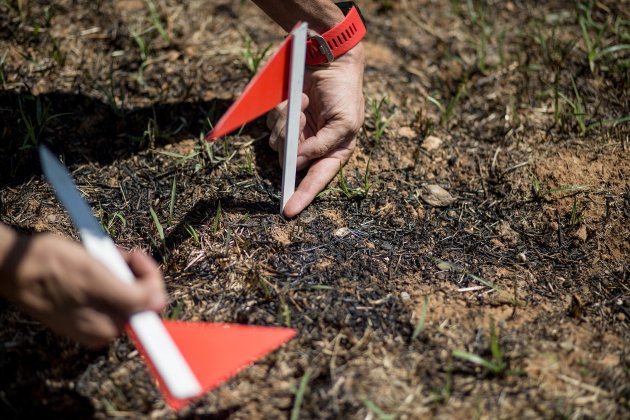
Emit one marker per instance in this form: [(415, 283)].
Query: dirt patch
[(530, 259)]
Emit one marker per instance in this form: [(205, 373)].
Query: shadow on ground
[(84, 129)]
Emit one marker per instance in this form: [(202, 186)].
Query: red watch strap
[(340, 39)]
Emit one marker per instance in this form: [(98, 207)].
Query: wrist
[(326, 47), (321, 15), (356, 55)]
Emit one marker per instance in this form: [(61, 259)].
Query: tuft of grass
[(497, 365), (152, 132), (109, 222), (141, 43), (253, 56), (299, 395), (579, 109), (577, 216), (160, 231), (609, 122), (555, 52), (35, 127), (158, 225), (477, 13), (248, 167), (352, 193), (423, 316), (193, 233), (156, 21), (540, 192), (593, 36), (379, 119), (446, 112), (217, 219)]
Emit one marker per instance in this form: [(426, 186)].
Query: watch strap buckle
[(323, 47)]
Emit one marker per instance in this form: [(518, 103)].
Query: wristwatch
[(324, 48)]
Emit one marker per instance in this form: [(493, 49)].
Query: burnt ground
[(520, 110)]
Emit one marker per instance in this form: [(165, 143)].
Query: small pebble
[(407, 132), (581, 234), (521, 257), (404, 296), (51, 218), (341, 232), (619, 302), (431, 143), (621, 317)]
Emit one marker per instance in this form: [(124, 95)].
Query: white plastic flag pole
[(296, 83)]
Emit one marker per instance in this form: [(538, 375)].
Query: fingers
[(319, 175), (120, 300), (281, 143), (93, 329), (277, 122), (115, 301), (148, 275), (326, 139)]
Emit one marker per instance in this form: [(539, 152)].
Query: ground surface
[(534, 150)]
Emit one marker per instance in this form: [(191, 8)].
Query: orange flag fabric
[(216, 351), (266, 90)]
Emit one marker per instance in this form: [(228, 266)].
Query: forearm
[(321, 15), (8, 242)]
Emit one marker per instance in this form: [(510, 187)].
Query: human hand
[(58, 283), (332, 115)]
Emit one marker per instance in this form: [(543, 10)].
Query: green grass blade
[(473, 358), (380, 414), (299, 396), (423, 316), (217, 219), (613, 49), (171, 204), (495, 348), (157, 223)]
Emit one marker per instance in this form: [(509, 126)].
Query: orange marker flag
[(215, 351), (266, 90)]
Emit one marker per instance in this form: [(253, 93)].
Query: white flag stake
[(292, 134)]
